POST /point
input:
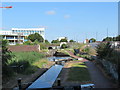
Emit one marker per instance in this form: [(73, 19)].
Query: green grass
[(79, 72), (88, 57), (41, 63), (27, 60), (26, 56)]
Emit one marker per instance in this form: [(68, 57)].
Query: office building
[(17, 35)]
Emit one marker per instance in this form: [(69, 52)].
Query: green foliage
[(89, 50), (112, 38), (113, 57), (36, 42), (55, 41), (35, 36), (28, 43), (46, 41), (63, 40), (79, 72), (118, 38), (6, 56), (75, 45), (43, 46), (71, 41), (108, 39), (103, 49), (92, 40), (24, 59), (64, 46), (86, 49)]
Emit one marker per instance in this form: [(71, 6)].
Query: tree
[(35, 36), (46, 41), (92, 40), (71, 41), (55, 41), (108, 39), (64, 46), (6, 55), (118, 38), (63, 40)]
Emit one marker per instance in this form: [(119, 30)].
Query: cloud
[(51, 12), (66, 16)]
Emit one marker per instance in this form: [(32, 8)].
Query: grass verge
[(26, 62), (41, 63), (79, 72)]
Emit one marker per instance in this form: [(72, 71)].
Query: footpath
[(97, 76)]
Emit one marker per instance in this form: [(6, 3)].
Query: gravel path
[(98, 77)]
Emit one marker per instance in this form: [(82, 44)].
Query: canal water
[(57, 58)]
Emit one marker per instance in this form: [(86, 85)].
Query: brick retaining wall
[(24, 48)]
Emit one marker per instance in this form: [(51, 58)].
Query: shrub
[(89, 50), (43, 46), (28, 43), (64, 46), (103, 49)]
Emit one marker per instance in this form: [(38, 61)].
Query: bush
[(43, 46), (103, 49), (28, 43), (64, 46), (89, 50)]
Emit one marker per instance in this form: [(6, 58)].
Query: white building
[(28, 31), (17, 35)]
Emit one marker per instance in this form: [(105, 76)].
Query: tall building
[(17, 35), (28, 31)]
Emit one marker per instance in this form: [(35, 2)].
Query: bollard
[(58, 82), (56, 63), (19, 84)]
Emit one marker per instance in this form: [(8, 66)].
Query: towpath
[(97, 75)]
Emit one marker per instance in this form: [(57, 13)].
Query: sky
[(75, 20)]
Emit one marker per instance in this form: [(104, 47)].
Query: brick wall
[(24, 48)]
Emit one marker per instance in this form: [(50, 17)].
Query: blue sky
[(75, 20)]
